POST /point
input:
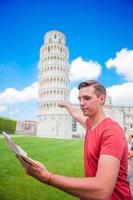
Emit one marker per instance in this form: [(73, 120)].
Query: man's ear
[(102, 100)]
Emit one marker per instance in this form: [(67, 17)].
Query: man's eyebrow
[(88, 96)]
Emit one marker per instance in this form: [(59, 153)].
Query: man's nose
[(81, 102)]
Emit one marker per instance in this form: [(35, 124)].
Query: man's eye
[(84, 98), (87, 98)]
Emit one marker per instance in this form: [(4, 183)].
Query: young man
[(105, 152)]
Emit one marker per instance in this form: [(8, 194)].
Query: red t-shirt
[(107, 138)]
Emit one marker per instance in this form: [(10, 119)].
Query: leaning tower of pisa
[(53, 121)]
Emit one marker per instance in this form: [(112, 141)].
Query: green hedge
[(7, 125)]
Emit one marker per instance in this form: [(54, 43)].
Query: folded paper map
[(16, 149)]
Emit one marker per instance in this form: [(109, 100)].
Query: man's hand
[(62, 104), (130, 154), (35, 169)]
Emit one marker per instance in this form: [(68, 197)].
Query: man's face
[(89, 102)]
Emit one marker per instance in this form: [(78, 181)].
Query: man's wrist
[(49, 181)]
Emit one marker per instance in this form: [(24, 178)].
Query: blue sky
[(99, 35)]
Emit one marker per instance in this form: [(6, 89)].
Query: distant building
[(26, 127), (54, 121), (127, 118), (122, 114), (113, 112)]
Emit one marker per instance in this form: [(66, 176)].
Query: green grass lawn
[(60, 156)]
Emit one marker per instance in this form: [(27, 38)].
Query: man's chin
[(85, 114)]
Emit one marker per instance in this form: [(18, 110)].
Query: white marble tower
[(53, 121)]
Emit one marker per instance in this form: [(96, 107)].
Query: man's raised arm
[(74, 112)]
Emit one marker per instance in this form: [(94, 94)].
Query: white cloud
[(11, 96), (10, 113), (121, 94), (74, 95), (123, 63), (13, 112), (3, 108), (17, 110), (84, 70)]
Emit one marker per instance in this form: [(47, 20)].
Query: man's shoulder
[(111, 126), (111, 123)]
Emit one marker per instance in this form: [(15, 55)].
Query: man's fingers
[(23, 162), (61, 103), (130, 154)]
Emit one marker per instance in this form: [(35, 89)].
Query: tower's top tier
[(54, 37)]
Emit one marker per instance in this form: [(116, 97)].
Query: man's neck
[(97, 119)]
